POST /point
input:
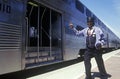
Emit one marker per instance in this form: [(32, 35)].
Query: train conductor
[(94, 42)]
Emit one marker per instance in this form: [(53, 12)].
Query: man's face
[(90, 24)]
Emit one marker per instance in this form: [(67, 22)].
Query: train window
[(88, 13), (99, 22), (0, 6), (32, 13), (45, 27), (95, 19), (79, 6), (5, 8), (56, 28), (68, 1), (8, 9)]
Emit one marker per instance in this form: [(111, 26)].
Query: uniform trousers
[(99, 60)]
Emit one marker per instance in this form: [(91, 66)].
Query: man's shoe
[(106, 75)]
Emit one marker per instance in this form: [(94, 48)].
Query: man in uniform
[(94, 42)]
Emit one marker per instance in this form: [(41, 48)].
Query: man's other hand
[(98, 46), (71, 25)]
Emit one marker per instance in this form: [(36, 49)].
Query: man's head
[(90, 21)]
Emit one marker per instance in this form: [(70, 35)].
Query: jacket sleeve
[(81, 32), (99, 37), (102, 39)]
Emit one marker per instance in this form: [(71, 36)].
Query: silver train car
[(36, 32)]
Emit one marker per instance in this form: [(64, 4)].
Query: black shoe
[(106, 75)]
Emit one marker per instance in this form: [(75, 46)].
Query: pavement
[(112, 66), (77, 71)]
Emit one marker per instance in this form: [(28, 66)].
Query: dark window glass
[(99, 22), (8, 9), (79, 6), (95, 19), (88, 13), (0, 6)]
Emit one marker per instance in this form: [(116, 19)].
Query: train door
[(43, 36)]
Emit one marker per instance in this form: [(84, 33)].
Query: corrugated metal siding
[(10, 37)]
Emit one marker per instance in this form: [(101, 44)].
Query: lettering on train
[(5, 8)]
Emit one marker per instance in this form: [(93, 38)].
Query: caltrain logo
[(5, 7)]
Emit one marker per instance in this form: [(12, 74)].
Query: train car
[(36, 32)]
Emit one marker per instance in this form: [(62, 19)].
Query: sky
[(108, 11)]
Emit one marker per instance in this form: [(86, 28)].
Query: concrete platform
[(112, 65), (77, 71)]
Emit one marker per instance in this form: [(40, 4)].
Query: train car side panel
[(11, 16)]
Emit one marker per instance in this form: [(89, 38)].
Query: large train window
[(88, 12), (95, 18), (99, 22), (44, 35), (32, 15), (0, 6), (79, 6)]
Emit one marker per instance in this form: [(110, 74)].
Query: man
[(94, 42)]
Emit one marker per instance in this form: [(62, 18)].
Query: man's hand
[(98, 46), (71, 25)]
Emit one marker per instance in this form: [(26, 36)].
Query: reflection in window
[(79, 6), (88, 13), (32, 32)]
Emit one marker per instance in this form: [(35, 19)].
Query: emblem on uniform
[(93, 35)]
